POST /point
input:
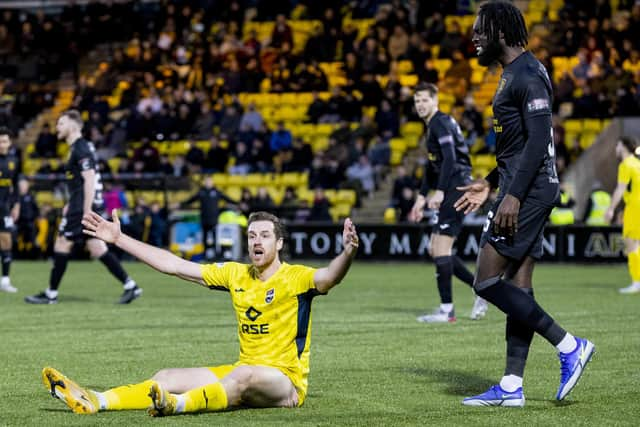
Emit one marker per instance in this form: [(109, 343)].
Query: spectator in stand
[(204, 122), (244, 204), (262, 201), (387, 119), (229, 123), (251, 120), (289, 204), (282, 33), (159, 227), (147, 156), (47, 143), (194, 158), (281, 139), (217, 157), (402, 180), (261, 157), (317, 108), (363, 173), (404, 204), (320, 207), (243, 160), (398, 46)]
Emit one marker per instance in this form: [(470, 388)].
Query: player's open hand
[(436, 200), (98, 227), (417, 211), (505, 222), (350, 239), (475, 194)]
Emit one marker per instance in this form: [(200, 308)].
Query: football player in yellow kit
[(272, 301), (628, 189)]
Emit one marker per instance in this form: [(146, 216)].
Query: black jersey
[(524, 136), (8, 179), (82, 158), (448, 153), (209, 199)]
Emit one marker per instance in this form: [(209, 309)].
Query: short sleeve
[(84, 158), (302, 278), (624, 173), (535, 97), (217, 276), (441, 133)]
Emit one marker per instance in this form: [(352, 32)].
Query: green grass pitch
[(372, 364)]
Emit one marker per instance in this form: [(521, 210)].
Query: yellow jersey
[(274, 316), (629, 174)]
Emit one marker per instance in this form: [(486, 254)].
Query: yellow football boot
[(80, 400), (164, 403)]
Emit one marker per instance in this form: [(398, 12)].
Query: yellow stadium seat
[(346, 196), (573, 126), (592, 125), (405, 67), (412, 128), (396, 157), (398, 144), (409, 80), (389, 216), (587, 139)]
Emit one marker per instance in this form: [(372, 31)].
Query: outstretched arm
[(327, 277), (160, 259)]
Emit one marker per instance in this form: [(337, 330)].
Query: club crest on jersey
[(501, 85), (271, 293)]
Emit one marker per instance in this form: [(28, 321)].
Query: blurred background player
[(9, 208), (29, 213), (209, 198), (529, 189), (628, 188), (272, 300), (448, 167), (85, 195)]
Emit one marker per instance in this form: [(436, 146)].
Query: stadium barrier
[(411, 243)]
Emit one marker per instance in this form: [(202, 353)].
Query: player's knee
[(242, 377), (163, 377), (481, 286)]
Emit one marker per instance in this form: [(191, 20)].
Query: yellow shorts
[(631, 223), (222, 371)]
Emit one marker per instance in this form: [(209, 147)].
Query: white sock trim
[(102, 401), (180, 403), (568, 344), (446, 307), (510, 383), (129, 284), (51, 293)]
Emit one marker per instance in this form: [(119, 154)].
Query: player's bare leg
[(632, 251), (254, 386)]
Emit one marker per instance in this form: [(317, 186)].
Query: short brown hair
[(629, 143), (424, 86), (5, 131), (278, 228), (73, 115)]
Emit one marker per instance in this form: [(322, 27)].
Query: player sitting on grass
[(272, 301)]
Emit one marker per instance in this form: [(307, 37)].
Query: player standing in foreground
[(272, 301), (9, 207), (629, 188), (85, 195), (529, 188), (448, 167)]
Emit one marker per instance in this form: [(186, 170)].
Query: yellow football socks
[(634, 265), (209, 398), (131, 396)]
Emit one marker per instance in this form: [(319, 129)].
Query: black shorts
[(527, 241), (448, 221), (71, 227)]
